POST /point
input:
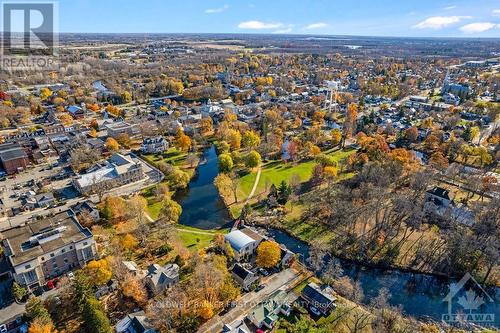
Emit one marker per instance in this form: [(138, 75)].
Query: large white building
[(118, 170)]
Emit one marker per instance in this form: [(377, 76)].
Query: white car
[(3, 328)]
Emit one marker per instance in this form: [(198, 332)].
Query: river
[(201, 204), (419, 295)]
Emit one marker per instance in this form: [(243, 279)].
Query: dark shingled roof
[(11, 151), (240, 271), (440, 192), (320, 299)]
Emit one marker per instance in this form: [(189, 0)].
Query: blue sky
[(417, 18)]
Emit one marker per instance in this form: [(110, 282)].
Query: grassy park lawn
[(275, 172), (196, 239), (172, 156)]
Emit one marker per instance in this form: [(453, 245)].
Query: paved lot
[(282, 280), (152, 176)]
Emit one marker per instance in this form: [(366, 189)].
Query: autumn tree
[(182, 141), (112, 144), (134, 288), (206, 125), (268, 254), (99, 271), (45, 93), (129, 242), (233, 137), (227, 184), (170, 211), (192, 160), (250, 140), (66, 119), (253, 159), (225, 162), (35, 310), (438, 161), (350, 121), (411, 134), (40, 326), (336, 136)]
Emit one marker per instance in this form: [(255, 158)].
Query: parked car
[(259, 287), (3, 328), (263, 272)]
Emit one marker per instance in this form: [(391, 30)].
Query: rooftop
[(27, 242), (11, 151), (238, 239)]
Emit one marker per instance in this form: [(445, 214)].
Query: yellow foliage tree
[(206, 310), (129, 242), (112, 144), (66, 119), (182, 141), (268, 254), (98, 271), (45, 93)]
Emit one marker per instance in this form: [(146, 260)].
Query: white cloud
[(439, 22), (495, 12), (217, 10), (450, 7), (283, 31), (477, 27), (259, 25), (318, 25)]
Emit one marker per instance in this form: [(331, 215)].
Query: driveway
[(281, 280)]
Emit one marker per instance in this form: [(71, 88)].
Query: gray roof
[(11, 151)]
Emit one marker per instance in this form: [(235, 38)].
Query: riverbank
[(366, 264)]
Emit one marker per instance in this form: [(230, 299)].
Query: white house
[(244, 242)]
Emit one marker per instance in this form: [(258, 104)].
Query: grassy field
[(172, 156), (275, 172), (196, 239)]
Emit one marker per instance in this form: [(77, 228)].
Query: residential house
[(154, 145), (160, 278), (76, 112), (118, 128), (266, 313), (45, 199), (86, 208), (46, 248), (244, 242), (237, 326), (320, 297), (451, 99), (439, 196), (244, 277), (136, 322)]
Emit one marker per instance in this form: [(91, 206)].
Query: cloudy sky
[(416, 18)]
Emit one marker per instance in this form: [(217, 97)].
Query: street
[(282, 280)]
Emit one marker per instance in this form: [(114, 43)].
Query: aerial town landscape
[(253, 182)]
